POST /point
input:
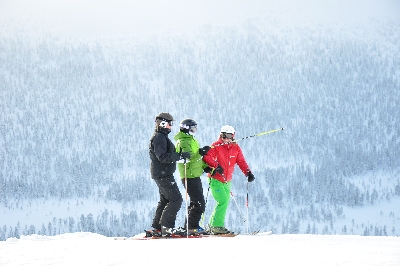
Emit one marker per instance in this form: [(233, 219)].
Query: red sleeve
[(241, 161), (211, 157)]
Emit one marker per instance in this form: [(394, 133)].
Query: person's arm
[(241, 162), (210, 158), (160, 145)]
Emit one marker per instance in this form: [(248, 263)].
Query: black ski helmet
[(188, 125)]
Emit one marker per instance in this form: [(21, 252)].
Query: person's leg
[(169, 189), (221, 194), (159, 210), (197, 202)]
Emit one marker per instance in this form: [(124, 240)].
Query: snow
[(128, 20), (94, 249)]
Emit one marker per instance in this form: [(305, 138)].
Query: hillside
[(77, 115)]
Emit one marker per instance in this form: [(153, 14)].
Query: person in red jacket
[(224, 154)]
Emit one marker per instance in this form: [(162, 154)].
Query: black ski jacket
[(162, 155)]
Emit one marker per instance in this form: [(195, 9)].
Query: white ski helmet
[(227, 129)]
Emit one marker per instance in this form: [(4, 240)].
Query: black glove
[(250, 176), (207, 169), (219, 170), (185, 155), (203, 151)]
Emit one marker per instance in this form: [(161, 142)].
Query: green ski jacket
[(194, 166)]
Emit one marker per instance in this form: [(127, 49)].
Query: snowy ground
[(94, 249)]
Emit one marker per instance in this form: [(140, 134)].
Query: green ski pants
[(221, 193)]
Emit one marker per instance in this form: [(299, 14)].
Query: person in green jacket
[(190, 172)]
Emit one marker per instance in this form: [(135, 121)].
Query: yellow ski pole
[(256, 135), (259, 134)]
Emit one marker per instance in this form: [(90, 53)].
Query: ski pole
[(233, 197), (256, 135), (241, 214), (187, 208), (247, 206), (260, 134)]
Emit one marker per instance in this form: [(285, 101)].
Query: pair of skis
[(143, 237), (147, 236)]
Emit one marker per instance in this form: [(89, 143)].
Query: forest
[(76, 119)]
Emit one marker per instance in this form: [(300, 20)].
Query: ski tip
[(120, 238), (222, 235), (264, 233)]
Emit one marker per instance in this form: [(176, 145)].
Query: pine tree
[(90, 223), (43, 230), (17, 232), (71, 224), (2, 235), (308, 231)]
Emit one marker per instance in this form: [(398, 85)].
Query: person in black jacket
[(162, 167)]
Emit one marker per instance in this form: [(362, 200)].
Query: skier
[(190, 172), (222, 157), (162, 167)]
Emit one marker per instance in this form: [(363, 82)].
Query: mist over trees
[(76, 119)]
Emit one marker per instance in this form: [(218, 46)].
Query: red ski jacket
[(226, 155)]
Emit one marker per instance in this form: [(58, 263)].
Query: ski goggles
[(166, 123), (193, 129), (227, 135)]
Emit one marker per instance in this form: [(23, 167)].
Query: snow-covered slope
[(307, 250), (82, 81)]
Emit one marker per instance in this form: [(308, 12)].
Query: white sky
[(299, 250), (130, 18)]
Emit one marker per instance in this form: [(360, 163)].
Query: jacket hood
[(181, 135)]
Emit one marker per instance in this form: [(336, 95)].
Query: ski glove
[(250, 176), (207, 169), (203, 151), (185, 155), (219, 170)]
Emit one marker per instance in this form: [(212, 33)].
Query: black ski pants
[(169, 204), (197, 204)]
